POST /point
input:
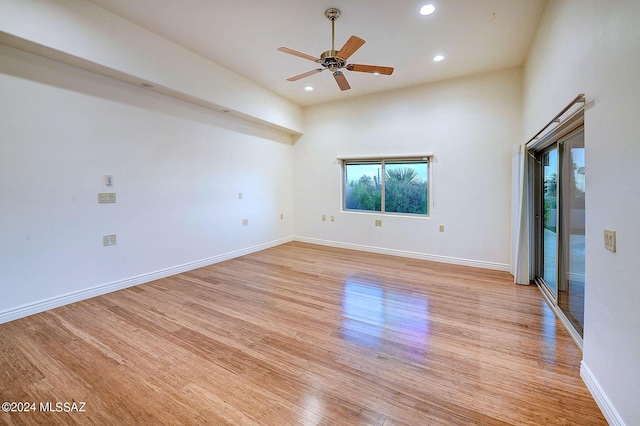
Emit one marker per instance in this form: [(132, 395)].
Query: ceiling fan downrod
[(333, 14), (329, 58)]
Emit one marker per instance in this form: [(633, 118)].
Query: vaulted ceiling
[(474, 36)]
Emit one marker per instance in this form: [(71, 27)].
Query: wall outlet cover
[(610, 240), (106, 197)]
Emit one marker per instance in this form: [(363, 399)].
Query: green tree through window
[(404, 189)]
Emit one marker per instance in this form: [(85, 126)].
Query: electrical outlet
[(324, 217), (378, 222), (333, 219), (245, 222), (281, 216), (239, 195), (441, 228), (109, 240), (106, 197), (610, 240)]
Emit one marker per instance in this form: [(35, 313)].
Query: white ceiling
[(475, 36)]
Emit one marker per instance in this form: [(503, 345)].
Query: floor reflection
[(549, 336), (384, 319)]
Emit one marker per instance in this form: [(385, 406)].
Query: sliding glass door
[(549, 231), (571, 286), (560, 224)]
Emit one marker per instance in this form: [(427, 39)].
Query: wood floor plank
[(302, 334)]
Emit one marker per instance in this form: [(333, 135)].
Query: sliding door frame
[(535, 149), (539, 223)]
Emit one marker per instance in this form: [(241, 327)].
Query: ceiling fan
[(334, 60)]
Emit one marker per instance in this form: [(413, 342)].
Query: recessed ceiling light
[(427, 9), (376, 73), (438, 58), (308, 88)]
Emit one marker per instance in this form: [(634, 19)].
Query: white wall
[(593, 47), (470, 124), (82, 34), (177, 169)]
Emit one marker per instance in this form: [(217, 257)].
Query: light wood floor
[(302, 334)]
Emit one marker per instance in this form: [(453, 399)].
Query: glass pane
[(571, 294), (362, 186), (550, 220), (405, 187)]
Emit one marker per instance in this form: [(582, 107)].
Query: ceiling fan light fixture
[(427, 9)]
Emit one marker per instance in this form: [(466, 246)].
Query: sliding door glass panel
[(549, 238), (571, 291)]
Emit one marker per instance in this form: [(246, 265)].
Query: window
[(387, 186)]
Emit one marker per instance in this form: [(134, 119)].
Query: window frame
[(382, 160)]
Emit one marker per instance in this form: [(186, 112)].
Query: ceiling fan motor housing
[(331, 61)]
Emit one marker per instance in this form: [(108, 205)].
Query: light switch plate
[(610, 240)]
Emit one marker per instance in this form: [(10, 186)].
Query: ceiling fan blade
[(341, 80), (354, 43), (305, 74), (298, 54), (370, 68)]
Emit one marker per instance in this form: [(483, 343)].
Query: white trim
[(384, 157), (517, 149), (607, 408), (410, 254), (76, 296)]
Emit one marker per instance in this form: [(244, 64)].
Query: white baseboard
[(608, 410), (410, 254), (76, 296), (55, 302)]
